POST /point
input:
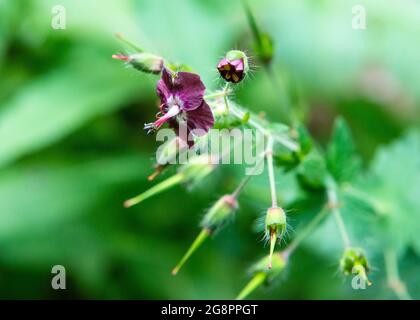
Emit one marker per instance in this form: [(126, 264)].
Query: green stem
[(165, 184), (273, 240), (254, 283), (245, 180), (281, 93), (237, 112), (308, 229), (393, 277), (128, 42), (341, 227), (334, 205), (202, 236), (252, 22)]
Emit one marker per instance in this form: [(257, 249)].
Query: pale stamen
[(172, 112)]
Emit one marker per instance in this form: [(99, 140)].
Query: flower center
[(174, 100)]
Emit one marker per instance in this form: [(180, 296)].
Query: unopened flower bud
[(275, 227), (143, 61), (354, 261), (220, 212), (234, 66), (193, 172), (217, 215), (261, 274)]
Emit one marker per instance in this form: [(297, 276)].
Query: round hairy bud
[(197, 168), (354, 261), (275, 219), (275, 227)]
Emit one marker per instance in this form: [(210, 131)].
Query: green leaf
[(304, 139), (312, 171), (392, 188), (342, 161), (283, 156)]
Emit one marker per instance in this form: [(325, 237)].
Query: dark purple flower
[(182, 104), (234, 66), (232, 70)]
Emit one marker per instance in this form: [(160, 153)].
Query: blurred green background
[(72, 147)]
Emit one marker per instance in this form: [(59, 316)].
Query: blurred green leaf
[(40, 197), (312, 171), (57, 103), (392, 188), (382, 207), (342, 161)]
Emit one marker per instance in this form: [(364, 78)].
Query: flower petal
[(200, 118), (164, 86), (190, 89), (238, 64), (224, 62)]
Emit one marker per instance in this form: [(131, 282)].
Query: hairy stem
[(225, 97), (393, 277), (269, 156)]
